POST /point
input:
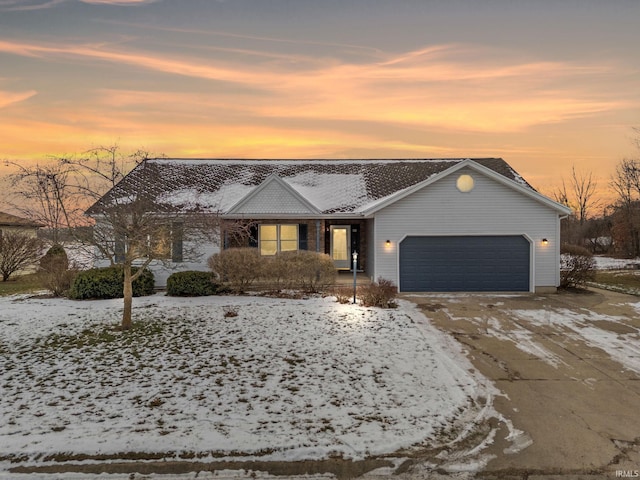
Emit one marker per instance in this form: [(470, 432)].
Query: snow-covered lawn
[(609, 263), (284, 379)]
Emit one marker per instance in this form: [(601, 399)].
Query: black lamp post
[(355, 271)]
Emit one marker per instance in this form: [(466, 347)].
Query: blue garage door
[(464, 264)]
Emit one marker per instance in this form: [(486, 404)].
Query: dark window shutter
[(119, 249), (253, 236), (177, 233), (303, 236)]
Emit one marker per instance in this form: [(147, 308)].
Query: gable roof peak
[(284, 199)]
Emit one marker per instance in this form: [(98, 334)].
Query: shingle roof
[(333, 186), (6, 219)]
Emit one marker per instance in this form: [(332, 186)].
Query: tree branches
[(18, 251), (580, 195)]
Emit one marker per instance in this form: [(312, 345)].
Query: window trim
[(278, 240)]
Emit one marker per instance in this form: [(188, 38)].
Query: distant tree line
[(616, 229)]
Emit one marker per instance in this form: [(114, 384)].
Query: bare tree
[(129, 230), (100, 169), (44, 194), (133, 228), (580, 196), (584, 191), (626, 183), (58, 193), (561, 195), (18, 252)]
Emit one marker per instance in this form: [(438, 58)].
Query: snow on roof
[(332, 186), (220, 200), (330, 191)]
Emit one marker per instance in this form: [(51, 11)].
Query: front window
[(277, 238), (268, 236), (164, 243), (160, 242)]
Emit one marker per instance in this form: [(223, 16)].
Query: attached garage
[(465, 263)]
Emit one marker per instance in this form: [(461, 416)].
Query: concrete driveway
[(568, 366)]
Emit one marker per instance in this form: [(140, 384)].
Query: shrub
[(343, 294), (54, 274), (102, 283), (191, 284), (577, 266), (230, 311), (240, 267), (18, 253), (301, 269), (55, 258), (379, 294)]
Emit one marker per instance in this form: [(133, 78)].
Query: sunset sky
[(544, 84)]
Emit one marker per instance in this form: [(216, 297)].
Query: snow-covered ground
[(283, 380), (609, 263)]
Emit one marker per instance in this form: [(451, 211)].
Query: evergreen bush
[(191, 284), (54, 273), (108, 282)]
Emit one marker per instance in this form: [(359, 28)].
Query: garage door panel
[(457, 263)]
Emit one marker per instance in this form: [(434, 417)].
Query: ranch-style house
[(426, 224)]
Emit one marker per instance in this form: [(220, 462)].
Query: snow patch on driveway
[(622, 344)]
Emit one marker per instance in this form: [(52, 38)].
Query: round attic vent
[(465, 183)]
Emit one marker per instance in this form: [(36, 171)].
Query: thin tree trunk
[(128, 298)]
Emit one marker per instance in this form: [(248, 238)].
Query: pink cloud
[(451, 87), (118, 2), (8, 98), (27, 5), (21, 5)]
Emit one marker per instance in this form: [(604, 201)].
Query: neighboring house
[(12, 224), (427, 225)]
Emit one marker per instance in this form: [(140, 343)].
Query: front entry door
[(341, 246)]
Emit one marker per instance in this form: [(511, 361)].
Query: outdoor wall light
[(465, 183), (545, 241), (387, 243)]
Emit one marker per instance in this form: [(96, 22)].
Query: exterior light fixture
[(545, 241), (465, 183), (387, 243)]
